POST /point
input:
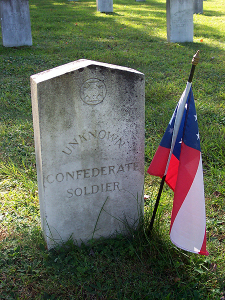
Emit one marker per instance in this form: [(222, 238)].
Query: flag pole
[(194, 62)]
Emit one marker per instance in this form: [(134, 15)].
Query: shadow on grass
[(106, 269), (212, 13)]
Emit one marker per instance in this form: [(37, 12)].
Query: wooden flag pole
[(194, 62)]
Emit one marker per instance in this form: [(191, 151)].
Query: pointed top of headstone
[(75, 65)]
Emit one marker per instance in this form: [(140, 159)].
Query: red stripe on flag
[(203, 250), (189, 161), (171, 176), (158, 164)]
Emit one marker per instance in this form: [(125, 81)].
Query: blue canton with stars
[(188, 132)]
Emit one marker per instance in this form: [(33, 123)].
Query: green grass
[(141, 266)]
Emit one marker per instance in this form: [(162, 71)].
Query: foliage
[(140, 266)]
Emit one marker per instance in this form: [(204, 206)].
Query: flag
[(178, 157)]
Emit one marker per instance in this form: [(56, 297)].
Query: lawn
[(141, 266)]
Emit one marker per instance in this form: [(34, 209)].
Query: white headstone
[(15, 23), (179, 21), (198, 6), (89, 142), (105, 6)]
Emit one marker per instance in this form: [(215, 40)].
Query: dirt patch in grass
[(3, 233)]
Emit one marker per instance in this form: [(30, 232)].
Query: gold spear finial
[(195, 58)]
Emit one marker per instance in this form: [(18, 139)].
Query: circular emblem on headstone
[(93, 91)]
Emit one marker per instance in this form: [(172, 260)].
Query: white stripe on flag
[(179, 116), (188, 229)]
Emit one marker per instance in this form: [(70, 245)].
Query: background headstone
[(198, 7), (89, 142), (105, 6), (179, 15), (15, 23)]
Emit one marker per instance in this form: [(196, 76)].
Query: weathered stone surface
[(198, 6), (89, 142), (105, 6), (15, 23), (179, 21)]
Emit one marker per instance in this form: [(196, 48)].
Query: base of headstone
[(179, 15), (89, 121), (15, 23), (104, 6), (198, 7)]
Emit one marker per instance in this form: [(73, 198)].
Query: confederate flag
[(179, 158)]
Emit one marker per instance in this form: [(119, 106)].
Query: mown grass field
[(138, 267)]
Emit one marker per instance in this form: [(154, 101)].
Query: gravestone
[(198, 7), (89, 141), (179, 15), (105, 6), (15, 23)]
